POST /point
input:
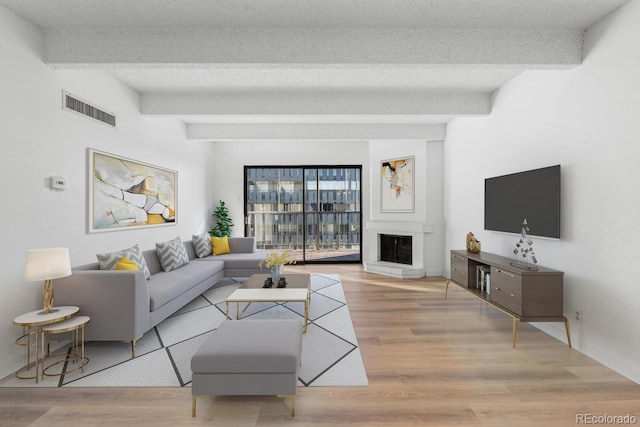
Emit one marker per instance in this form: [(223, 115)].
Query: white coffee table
[(298, 290)]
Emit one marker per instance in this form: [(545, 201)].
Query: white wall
[(586, 120), (39, 139), (231, 156)]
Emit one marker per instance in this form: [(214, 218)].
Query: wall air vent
[(71, 103)]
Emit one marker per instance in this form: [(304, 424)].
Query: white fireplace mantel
[(399, 226)]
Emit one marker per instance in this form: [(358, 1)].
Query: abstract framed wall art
[(125, 193), (397, 185)]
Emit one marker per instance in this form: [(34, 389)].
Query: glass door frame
[(304, 213)]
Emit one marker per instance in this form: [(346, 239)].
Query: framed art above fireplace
[(397, 179)]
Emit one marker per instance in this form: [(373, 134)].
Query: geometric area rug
[(330, 352)]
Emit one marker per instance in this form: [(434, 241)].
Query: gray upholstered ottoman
[(249, 357)]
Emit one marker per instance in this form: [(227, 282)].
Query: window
[(312, 212)]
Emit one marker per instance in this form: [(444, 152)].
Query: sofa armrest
[(242, 244), (116, 301)]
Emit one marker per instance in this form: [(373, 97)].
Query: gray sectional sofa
[(123, 305)]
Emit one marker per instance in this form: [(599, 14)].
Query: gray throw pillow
[(108, 261), (172, 254), (202, 245)]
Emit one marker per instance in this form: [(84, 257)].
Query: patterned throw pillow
[(172, 254), (108, 261), (202, 245)]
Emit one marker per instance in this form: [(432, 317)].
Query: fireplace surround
[(414, 230)]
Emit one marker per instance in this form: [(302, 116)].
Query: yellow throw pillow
[(126, 264), (220, 245)]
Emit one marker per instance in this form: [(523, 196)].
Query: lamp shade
[(47, 263)]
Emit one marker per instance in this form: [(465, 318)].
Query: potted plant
[(223, 223)]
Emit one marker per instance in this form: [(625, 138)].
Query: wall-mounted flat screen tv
[(533, 195)]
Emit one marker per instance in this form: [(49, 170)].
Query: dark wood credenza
[(526, 295)]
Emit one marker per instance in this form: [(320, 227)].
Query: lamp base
[(47, 297)]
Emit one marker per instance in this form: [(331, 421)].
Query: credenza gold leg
[(446, 289), (515, 330), (566, 327)]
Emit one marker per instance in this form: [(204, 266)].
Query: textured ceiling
[(316, 61), (546, 14)]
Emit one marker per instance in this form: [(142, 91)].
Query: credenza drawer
[(506, 290), (459, 276), (459, 269), (459, 262)]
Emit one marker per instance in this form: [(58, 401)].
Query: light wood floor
[(430, 361)]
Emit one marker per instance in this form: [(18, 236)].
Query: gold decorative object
[(473, 244)]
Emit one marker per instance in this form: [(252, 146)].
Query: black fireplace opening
[(394, 248)]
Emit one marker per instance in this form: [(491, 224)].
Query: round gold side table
[(31, 323), (75, 325)]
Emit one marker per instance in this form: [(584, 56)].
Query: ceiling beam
[(314, 131), (317, 103), (117, 47)]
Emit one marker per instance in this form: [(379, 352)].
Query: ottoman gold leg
[(293, 402), (193, 402)]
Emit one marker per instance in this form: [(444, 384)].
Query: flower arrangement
[(275, 259)]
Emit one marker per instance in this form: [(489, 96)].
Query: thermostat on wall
[(57, 183)]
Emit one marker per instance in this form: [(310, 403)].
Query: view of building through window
[(314, 213)]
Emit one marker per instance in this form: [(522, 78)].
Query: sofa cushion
[(220, 245), (202, 245), (108, 261), (251, 346), (172, 254), (166, 286), (239, 261), (242, 244)]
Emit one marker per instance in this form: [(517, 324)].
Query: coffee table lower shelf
[(516, 318)]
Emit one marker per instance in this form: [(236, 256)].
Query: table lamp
[(47, 264)]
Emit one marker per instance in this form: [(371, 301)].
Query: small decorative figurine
[(524, 247), (473, 244)]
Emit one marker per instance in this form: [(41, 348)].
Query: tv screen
[(532, 195)]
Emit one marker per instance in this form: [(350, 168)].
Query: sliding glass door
[(312, 212)]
